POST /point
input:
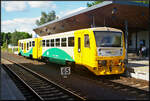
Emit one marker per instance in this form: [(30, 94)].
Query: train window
[(43, 43), (70, 41), (27, 46), (79, 45), (86, 41), (30, 44), (33, 43), (22, 46), (63, 42), (57, 42), (52, 42), (47, 43)]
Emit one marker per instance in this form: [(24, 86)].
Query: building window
[(130, 42), (33, 43), (47, 43), (52, 42), (86, 41), (63, 42), (70, 41), (57, 42), (43, 43)]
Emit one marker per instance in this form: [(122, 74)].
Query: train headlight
[(102, 62)]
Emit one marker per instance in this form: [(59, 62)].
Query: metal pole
[(126, 39)]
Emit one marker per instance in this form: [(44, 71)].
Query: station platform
[(138, 68), (9, 91)]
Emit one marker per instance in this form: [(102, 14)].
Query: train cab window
[(33, 43), (47, 43), (57, 42), (70, 41), (27, 46), (63, 42), (30, 44), (52, 42), (86, 41), (43, 43)]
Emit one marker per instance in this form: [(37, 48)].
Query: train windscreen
[(108, 39)]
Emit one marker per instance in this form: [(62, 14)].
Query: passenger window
[(43, 43), (30, 43), (57, 42), (33, 43), (86, 41), (52, 42), (27, 46), (47, 43), (71, 41), (63, 42)]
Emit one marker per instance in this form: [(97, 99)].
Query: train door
[(39, 48), (24, 47), (78, 47)]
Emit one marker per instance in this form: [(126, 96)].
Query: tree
[(94, 3), (100, 1), (15, 36), (46, 17)]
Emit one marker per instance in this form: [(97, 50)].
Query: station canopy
[(109, 13)]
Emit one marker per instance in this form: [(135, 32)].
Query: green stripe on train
[(57, 55), (26, 54)]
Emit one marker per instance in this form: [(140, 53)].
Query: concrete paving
[(139, 68), (9, 91)]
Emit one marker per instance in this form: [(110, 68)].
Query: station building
[(131, 17)]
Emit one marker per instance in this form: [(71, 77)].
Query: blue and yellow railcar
[(100, 49)]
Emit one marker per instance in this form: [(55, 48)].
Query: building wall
[(142, 35)]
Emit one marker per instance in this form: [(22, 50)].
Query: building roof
[(109, 13)]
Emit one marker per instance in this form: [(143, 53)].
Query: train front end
[(110, 52)]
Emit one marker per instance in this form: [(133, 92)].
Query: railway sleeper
[(52, 94)]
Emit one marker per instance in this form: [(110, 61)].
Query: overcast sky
[(21, 15)]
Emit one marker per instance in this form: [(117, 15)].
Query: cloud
[(41, 4), (22, 5), (19, 24), (14, 5), (68, 12)]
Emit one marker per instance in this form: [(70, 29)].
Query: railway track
[(121, 85), (37, 87), (118, 83)]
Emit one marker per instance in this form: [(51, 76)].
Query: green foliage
[(46, 17), (94, 3), (100, 1), (13, 37)]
